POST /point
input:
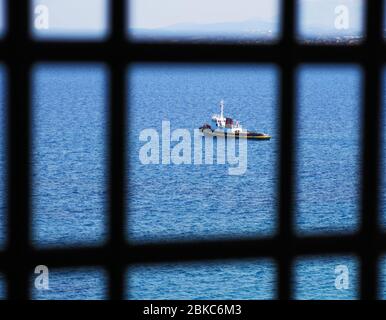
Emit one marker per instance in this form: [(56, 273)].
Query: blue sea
[(181, 202)]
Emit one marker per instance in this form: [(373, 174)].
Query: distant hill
[(324, 32), (253, 28), (251, 25), (248, 30)]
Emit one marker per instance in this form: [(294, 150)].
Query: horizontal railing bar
[(164, 52), (195, 251)]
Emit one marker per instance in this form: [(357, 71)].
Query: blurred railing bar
[(18, 160), (166, 52), (286, 152), (196, 251), (117, 172), (371, 151)]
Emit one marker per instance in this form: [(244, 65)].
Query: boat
[(228, 127)]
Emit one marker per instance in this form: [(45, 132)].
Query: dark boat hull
[(249, 135)]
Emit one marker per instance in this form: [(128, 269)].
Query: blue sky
[(88, 17)]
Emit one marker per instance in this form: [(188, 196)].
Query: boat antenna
[(222, 108)]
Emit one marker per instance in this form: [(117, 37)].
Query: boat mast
[(222, 108)]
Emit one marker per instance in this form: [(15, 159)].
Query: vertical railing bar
[(286, 150), (371, 150), (18, 162), (117, 151)]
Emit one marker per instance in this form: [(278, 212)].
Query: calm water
[(171, 202), (69, 193), (184, 202), (328, 150)]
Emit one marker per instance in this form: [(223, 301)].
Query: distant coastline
[(248, 31)]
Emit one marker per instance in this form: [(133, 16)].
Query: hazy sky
[(158, 13), (89, 16), (321, 13)]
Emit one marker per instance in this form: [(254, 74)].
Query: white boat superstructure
[(225, 126), (224, 123)]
